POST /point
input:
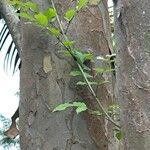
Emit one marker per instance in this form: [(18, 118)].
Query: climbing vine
[(49, 20)]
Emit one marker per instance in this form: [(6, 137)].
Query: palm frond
[(12, 59), (3, 31), (16, 63), (7, 55), (3, 39)]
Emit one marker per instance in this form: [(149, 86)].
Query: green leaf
[(94, 2), (41, 19), (99, 70), (75, 73), (50, 13), (25, 6), (93, 83), (103, 82), (69, 14), (102, 58), (119, 135), (81, 56), (78, 73), (108, 70), (96, 112), (84, 83), (66, 53), (86, 68), (78, 55), (54, 31), (26, 16), (81, 83), (80, 107), (88, 56), (31, 5), (88, 75), (15, 2), (103, 70), (68, 43), (62, 107), (77, 104), (81, 4), (108, 59), (113, 109), (112, 55)]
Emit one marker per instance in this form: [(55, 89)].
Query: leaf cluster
[(50, 20)]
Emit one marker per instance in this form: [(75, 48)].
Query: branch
[(82, 71), (12, 22)]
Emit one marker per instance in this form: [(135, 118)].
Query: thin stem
[(94, 95), (69, 24), (81, 69), (60, 25)]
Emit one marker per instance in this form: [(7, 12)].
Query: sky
[(9, 85)]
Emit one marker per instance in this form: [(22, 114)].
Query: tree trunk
[(45, 82), (133, 71)]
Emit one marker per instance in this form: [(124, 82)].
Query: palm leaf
[(7, 56), (17, 59), (12, 59), (12, 56), (4, 29), (3, 40)]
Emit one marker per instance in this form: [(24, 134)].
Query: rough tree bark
[(44, 80), (12, 21), (133, 71)]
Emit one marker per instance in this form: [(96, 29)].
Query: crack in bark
[(62, 86), (69, 124), (41, 74)]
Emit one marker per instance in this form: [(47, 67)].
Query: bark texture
[(45, 81), (133, 71), (12, 21)]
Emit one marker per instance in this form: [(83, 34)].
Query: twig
[(81, 69), (69, 24), (94, 95)]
